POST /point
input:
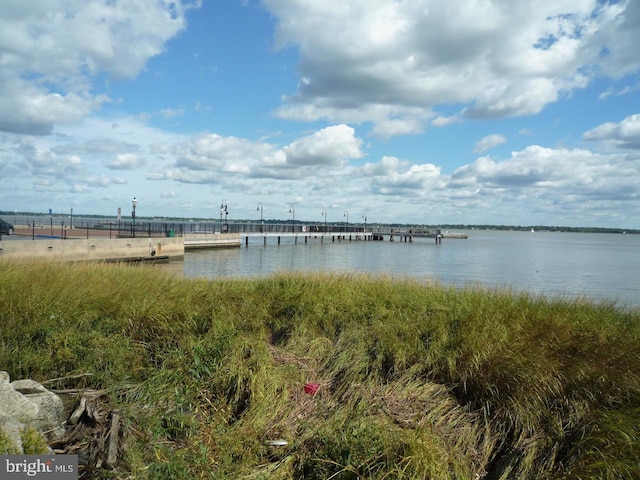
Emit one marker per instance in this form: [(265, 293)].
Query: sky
[(400, 111)]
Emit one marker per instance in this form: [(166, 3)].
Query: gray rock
[(51, 415), (25, 404), (12, 429), (15, 405)]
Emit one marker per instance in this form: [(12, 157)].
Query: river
[(598, 266)]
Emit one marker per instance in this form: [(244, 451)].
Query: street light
[(71, 221), (223, 208), (346, 214), (134, 204), (324, 214), (293, 211), (261, 212), (364, 216)]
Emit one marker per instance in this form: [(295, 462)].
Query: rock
[(12, 430), (15, 405), (27, 404), (51, 415)]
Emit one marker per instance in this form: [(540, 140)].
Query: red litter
[(311, 388)]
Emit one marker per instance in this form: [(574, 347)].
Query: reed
[(416, 380)]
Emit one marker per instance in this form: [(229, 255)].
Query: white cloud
[(442, 121), (489, 142), (53, 50), (224, 154), (386, 166), (625, 134), (126, 161), (416, 180), (554, 173), (331, 146), (199, 171), (393, 63)]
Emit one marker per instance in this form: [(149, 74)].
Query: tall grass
[(416, 381)]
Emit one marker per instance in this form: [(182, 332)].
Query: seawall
[(93, 248)]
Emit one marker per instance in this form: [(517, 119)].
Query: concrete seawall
[(93, 248)]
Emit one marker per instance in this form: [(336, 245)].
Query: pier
[(377, 234), (154, 241)]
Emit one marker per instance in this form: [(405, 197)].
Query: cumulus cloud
[(393, 176), (213, 158), (489, 142), (556, 173), (625, 134), (555, 182), (417, 180), (332, 146), (394, 63), (52, 52), (387, 165), (224, 154), (126, 161)]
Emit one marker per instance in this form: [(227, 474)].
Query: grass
[(416, 381)]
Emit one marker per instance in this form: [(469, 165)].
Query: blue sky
[(410, 111)]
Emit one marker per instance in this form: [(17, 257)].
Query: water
[(594, 265)]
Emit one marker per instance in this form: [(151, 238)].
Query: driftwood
[(114, 429), (93, 432)]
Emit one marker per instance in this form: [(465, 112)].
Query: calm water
[(598, 266)]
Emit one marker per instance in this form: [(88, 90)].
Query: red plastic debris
[(311, 388)]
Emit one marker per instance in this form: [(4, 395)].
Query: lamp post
[(71, 217), (134, 204), (324, 214), (261, 213), (346, 214), (223, 208), (364, 216), (292, 210)]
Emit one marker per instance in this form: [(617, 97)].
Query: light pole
[(346, 214), (223, 208), (261, 213), (71, 218), (364, 216), (134, 204), (292, 210), (324, 214)]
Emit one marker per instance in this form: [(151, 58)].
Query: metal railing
[(66, 227), (62, 228)]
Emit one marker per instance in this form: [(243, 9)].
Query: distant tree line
[(542, 228)]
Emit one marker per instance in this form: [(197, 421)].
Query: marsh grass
[(416, 381)]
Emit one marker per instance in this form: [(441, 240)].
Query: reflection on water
[(600, 266)]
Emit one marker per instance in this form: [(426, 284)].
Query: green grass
[(416, 381)]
